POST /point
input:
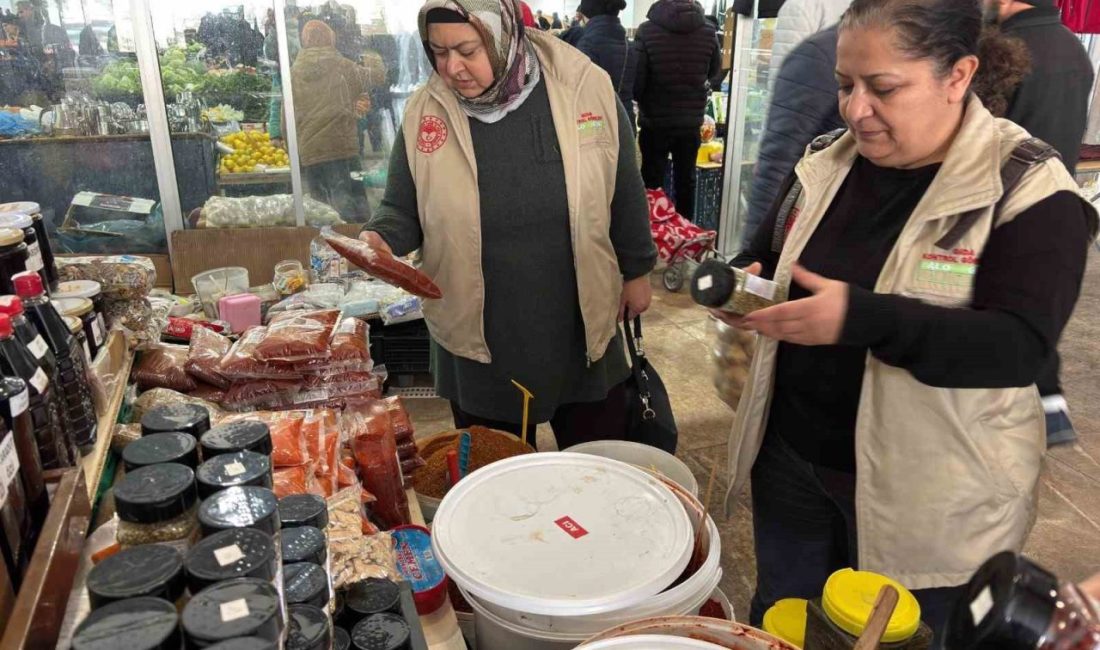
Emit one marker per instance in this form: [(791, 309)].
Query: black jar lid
[(248, 435), (234, 553), (240, 507), (370, 596), (303, 544), (150, 570), (381, 632), (149, 495), (307, 628), (233, 470), (303, 510), (341, 640), (134, 624), (244, 643), (234, 608), (305, 583), (185, 418), (156, 448)]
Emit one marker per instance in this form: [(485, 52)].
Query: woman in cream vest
[(511, 180), (890, 421)]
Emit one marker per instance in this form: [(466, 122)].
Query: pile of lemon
[(250, 150)]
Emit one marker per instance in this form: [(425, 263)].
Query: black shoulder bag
[(650, 419)]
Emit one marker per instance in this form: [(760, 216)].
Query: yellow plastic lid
[(787, 620), (850, 596), (10, 237)]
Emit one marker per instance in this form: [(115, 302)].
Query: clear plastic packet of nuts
[(731, 358)]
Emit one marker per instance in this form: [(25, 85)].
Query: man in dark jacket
[(678, 56), (603, 39), (803, 106), (1052, 104)]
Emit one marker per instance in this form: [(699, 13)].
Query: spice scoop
[(720, 286)]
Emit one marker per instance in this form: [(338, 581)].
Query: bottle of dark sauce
[(17, 361), (18, 433)]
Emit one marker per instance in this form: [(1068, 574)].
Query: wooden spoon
[(885, 604)]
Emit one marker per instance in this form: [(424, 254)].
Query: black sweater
[(1024, 294)]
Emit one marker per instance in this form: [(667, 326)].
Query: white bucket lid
[(651, 642), (562, 534)]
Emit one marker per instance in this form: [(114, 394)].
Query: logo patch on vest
[(949, 270), (590, 122), (433, 135)]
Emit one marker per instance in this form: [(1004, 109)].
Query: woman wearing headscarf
[(329, 94), (515, 179)]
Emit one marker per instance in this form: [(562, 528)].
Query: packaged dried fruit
[(298, 336), (382, 265), (163, 367), (241, 361), (204, 357)]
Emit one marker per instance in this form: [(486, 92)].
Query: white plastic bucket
[(643, 456), (652, 642), (724, 634)]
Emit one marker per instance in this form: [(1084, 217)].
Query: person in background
[(539, 239), (884, 426), (555, 22), (330, 94), (797, 21), (89, 46), (30, 23), (603, 39), (576, 30), (679, 60), (542, 21), (1052, 103)]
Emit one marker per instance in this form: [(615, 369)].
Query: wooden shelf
[(116, 361)]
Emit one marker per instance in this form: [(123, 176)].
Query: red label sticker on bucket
[(572, 528)]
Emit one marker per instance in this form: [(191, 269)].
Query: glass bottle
[(13, 257), (17, 361), (14, 402), (35, 263)]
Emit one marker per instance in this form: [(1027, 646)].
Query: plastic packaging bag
[(732, 357), (317, 296), (354, 557), (349, 350), (121, 277), (163, 397), (298, 336), (211, 394), (264, 212), (295, 480), (403, 308), (204, 357), (376, 454), (260, 393), (241, 362), (163, 367), (382, 265)]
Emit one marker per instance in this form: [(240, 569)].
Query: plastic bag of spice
[(376, 454), (399, 417), (349, 350), (204, 357), (382, 265), (296, 480), (298, 336), (241, 361), (259, 393), (162, 397), (208, 393), (163, 367)]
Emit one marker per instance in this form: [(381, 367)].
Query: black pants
[(572, 423), (1049, 382), (683, 144), (805, 529), (331, 183)]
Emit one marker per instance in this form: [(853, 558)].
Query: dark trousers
[(331, 183), (805, 529), (572, 423), (683, 144), (1049, 383)]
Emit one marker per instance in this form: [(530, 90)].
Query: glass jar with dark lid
[(91, 290), (20, 221), (381, 632), (304, 544), (185, 418), (233, 470), (303, 510), (307, 628), (82, 309), (13, 258), (234, 608), (35, 211), (76, 328), (247, 435), (171, 447), (237, 553), (150, 570), (240, 507), (156, 504), (370, 596), (133, 624), (306, 583)]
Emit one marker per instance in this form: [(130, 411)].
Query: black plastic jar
[(185, 418), (242, 607), (367, 597), (341, 640), (303, 510), (156, 505), (244, 643), (13, 258), (233, 470), (236, 553), (248, 435), (304, 544), (305, 583), (240, 507), (307, 628), (150, 570), (134, 624), (172, 447), (381, 632)]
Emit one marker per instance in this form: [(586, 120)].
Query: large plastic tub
[(644, 456), (723, 634), (211, 286)]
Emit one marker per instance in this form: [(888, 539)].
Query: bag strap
[(638, 365), (1026, 155), (793, 190), (626, 62)]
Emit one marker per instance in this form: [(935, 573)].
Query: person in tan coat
[(330, 93)]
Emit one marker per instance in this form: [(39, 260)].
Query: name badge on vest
[(945, 278), (432, 136), (593, 129)]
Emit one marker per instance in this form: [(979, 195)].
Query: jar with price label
[(20, 221), (13, 257), (35, 211), (17, 361), (14, 518), (14, 403)]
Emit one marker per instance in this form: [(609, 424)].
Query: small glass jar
[(237, 553), (76, 328), (233, 470), (247, 435), (234, 608), (305, 583), (303, 510), (82, 309), (185, 418), (150, 570), (13, 258), (134, 624), (157, 505), (307, 628), (171, 447), (290, 277), (21, 221), (91, 290), (35, 211)]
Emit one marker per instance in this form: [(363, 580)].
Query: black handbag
[(650, 419)]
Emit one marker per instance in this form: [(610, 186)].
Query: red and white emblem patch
[(433, 135)]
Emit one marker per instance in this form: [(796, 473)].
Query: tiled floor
[(1066, 538)]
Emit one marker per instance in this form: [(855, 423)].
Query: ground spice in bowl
[(486, 447)]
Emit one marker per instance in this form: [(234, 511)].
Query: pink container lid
[(241, 311)]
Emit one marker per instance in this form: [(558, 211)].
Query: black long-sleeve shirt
[(1024, 294)]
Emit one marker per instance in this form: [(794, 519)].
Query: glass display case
[(748, 107)]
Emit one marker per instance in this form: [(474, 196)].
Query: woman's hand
[(636, 298), (733, 320), (362, 105), (817, 320), (375, 241)]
